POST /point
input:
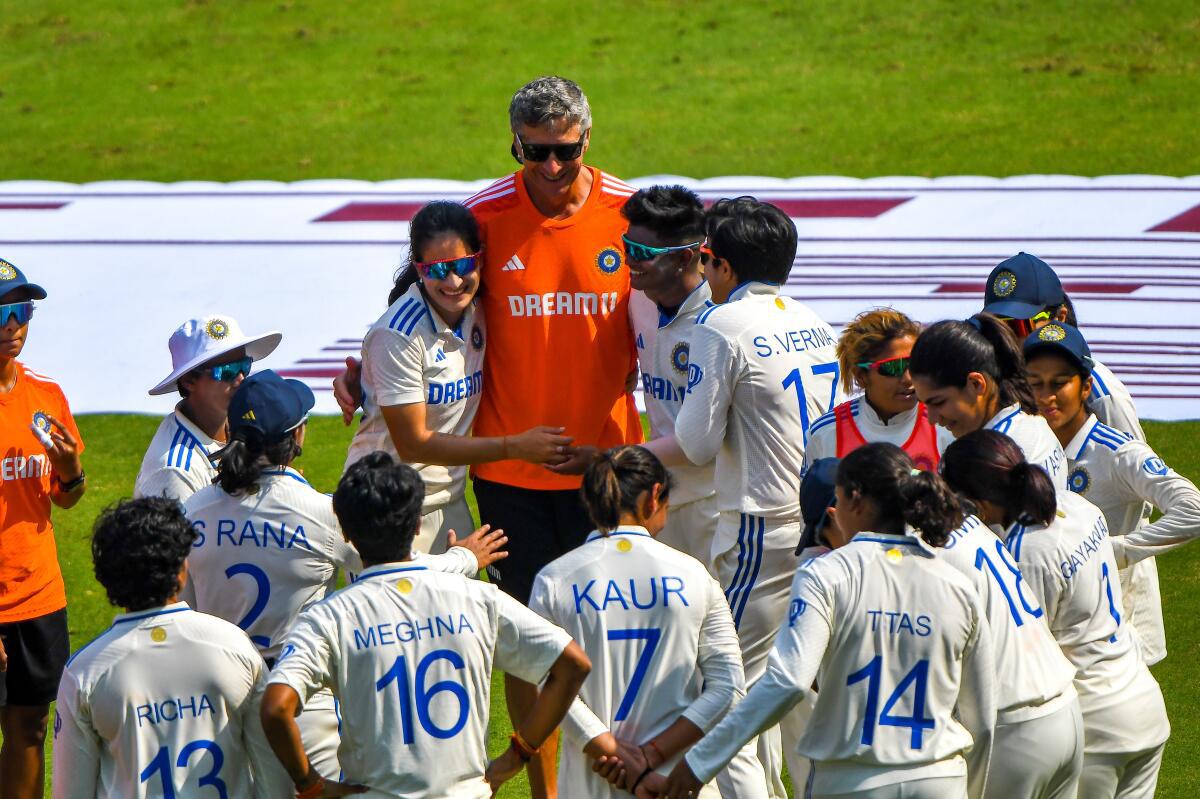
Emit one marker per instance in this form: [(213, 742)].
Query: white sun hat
[(208, 337)]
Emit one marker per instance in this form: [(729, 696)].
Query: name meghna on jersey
[(393, 633)]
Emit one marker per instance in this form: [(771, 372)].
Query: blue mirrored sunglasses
[(636, 251), (22, 311), (228, 372), (438, 270)]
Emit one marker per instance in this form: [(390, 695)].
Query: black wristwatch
[(71, 485)]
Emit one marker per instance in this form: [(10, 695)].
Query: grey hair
[(550, 100)]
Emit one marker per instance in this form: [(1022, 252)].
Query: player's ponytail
[(241, 462), (948, 351), (614, 481), (986, 465), (901, 494), (435, 220)]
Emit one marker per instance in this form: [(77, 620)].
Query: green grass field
[(297, 89), (115, 445)]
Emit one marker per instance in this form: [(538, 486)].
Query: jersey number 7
[(651, 636)]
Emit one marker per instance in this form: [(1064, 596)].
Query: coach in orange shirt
[(39, 464), (556, 300)]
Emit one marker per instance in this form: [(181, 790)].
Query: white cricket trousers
[(318, 723), (690, 529), (1121, 776), (436, 525), (1038, 759), (755, 561), (928, 788)]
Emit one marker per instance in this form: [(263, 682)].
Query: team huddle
[(899, 560)]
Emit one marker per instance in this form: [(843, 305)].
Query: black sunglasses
[(541, 152)]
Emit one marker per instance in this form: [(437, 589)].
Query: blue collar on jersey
[(695, 299), (138, 615), (381, 569), (624, 529), (1080, 441), (436, 323), (746, 288), (285, 471)]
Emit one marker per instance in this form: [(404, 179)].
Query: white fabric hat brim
[(257, 347)]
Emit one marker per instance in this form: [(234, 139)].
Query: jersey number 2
[(793, 380), (260, 600)]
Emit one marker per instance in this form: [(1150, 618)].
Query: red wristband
[(522, 747)]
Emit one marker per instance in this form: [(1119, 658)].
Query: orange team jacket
[(31, 583), (556, 299)]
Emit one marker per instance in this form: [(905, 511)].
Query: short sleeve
[(393, 368), (306, 660), (526, 644), (168, 482)]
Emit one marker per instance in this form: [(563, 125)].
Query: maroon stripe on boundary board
[(1187, 222), (31, 206), (372, 212)]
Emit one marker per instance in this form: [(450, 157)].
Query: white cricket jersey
[(1036, 440), (177, 463), (660, 636), (410, 355), (1071, 572), (822, 436), (164, 703), (409, 653), (1126, 479), (897, 642), (1033, 678), (663, 345), (1112, 403), (262, 558), (762, 369)]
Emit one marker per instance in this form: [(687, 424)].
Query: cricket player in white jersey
[(1062, 546), (761, 368), (1026, 294), (896, 639), (1035, 692), (422, 373), (873, 353), (210, 356), (409, 652), (663, 252), (166, 701), (269, 544), (666, 665), (971, 376), (1117, 473)]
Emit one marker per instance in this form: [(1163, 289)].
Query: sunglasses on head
[(1023, 327), (440, 270), (541, 152), (21, 311), (228, 372), (636, 251), (888, 367)]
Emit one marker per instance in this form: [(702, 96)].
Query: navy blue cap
[(1065, 340), (1021, 287), (12, 279), (817, 495), (269, 405)]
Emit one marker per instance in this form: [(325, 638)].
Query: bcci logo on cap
[(609, 260), (1005, 284), (1079, 480), (7, 270), (679, 358), (1052, 333), (42, 422), (217, 329)]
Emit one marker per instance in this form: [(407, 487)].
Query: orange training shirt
[(555, 295), (31, 583)]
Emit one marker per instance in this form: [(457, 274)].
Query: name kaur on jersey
[(614, 594), (792, 341), (277, 535)]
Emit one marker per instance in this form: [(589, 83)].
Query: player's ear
[(1061, 314), (1085, 391), (977, 384), (515, 153)]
